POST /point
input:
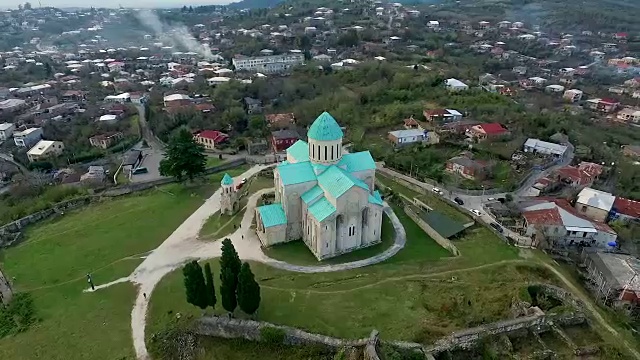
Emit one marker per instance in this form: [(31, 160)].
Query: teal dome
[(325, 128), (227, 180)]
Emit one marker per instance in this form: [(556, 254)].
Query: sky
[(113, 3)]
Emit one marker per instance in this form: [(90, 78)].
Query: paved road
[(152, 154)]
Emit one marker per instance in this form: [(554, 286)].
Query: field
[(107, 240)]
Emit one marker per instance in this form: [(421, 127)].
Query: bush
[(271, 335), (18, 316), (175, 342)]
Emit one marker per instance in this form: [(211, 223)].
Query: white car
[(476, 212), (491, 199), (437, 191), (244, 180)]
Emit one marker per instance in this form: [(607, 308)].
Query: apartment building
[(268, 64)]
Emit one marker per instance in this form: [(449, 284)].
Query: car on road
[(497, 227), (491, 199), (476, 212), (437, 191), (140, 170), (458, 201), (244, 180)]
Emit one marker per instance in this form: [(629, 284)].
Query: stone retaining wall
[(441, 240), (251, 330)]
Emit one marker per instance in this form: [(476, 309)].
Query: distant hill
[(254, 4)]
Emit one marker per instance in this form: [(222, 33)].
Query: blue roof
[(226, 180), (375, 198), (299, 150), (312, 194), (336, 181), (322, 209), (296, 173), (319, 168), (357, 161), (325, 128), (272, 215)]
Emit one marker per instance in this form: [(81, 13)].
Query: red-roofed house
[(574, 176), (625, 209), (620, 36), (607, 105), (210, 138), (411, 123), (487, 131)]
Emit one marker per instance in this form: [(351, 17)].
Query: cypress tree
[(228, 290), (194, 284), (229, 270), (248, 290), (210, 288)]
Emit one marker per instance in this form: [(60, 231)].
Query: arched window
[(332, 153), (325, 153), (318, 152), (313, 151)]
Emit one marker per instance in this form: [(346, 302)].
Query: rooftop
[(226, 179), (285, 134), (627, 207), (41, 147), (325, 128), (618, 269), (407, 133), (596, 198), (272, 215)]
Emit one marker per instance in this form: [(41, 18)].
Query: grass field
[(107, 240)]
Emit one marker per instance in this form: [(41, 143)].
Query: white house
[(6, 131), (572, 95), (45, 149), (217, 80), (27, 137), (455, 85), (543, 147)]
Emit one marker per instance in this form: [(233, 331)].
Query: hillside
[(254, 4)]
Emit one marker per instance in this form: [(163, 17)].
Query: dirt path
[(592, 308)]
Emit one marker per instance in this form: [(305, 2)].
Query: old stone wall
[(371, 348), (251, 330), (11, 234), (441, 240)]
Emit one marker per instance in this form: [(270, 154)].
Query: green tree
[(210, 288), (229, 269), (248, 290), (194, 285), (184, 158)]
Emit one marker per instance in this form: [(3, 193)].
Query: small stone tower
[(229, 196)]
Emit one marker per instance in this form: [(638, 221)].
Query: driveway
[(153, 154)]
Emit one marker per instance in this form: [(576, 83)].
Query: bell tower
[(229, 196)]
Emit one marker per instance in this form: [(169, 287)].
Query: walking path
[(183, 246)]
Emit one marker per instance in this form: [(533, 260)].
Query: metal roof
[(312, 194), (376, 198), (357, 161), (299, 151), (407, 133), (336, 181), (545, 147), (272, 215), (226, 180), (325, 128), (322, 209), (296, 173)]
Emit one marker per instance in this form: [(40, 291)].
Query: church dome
[(325, 128)]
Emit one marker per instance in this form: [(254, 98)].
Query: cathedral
[(323, 196)]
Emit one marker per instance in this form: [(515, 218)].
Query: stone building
[(229, 196), (322, 196)]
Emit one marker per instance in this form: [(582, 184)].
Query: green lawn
[(235, 349), (106, 239), (214, 161)]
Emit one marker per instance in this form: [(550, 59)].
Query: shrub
[(18, 316), (272, 335)]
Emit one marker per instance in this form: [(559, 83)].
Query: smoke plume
[(174, 35)]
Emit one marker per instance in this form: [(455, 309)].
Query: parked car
[(476, 212), (140, 170), (437, 191), (458, 201), (491, 199), (497, 227)]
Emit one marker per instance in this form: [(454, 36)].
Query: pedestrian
[(242, 236), (145, 295)]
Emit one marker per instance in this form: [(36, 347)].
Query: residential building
[(131, 161), (210, 139), (487, 131), (573, 95), (218, 80), (252, 106), (407, 137), (615, 276), (574, 176), (467, 167), (282, 139), (455, 85), (120, 98), (554, 88), (28, 137), (560, 225), (625, 209), (6, 131), (411, 123), (542, 147), (45, 149), (108, 118), (10, 106), (268, 64), (280, 121), (442, 115), (323, 196), (105, 141), (629, 115), (95, 174), (594, 204), (604, 105), (631, 150), (177, 100), (139, 98)]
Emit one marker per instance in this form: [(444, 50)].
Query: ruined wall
[(371, 348), (251, 330)]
